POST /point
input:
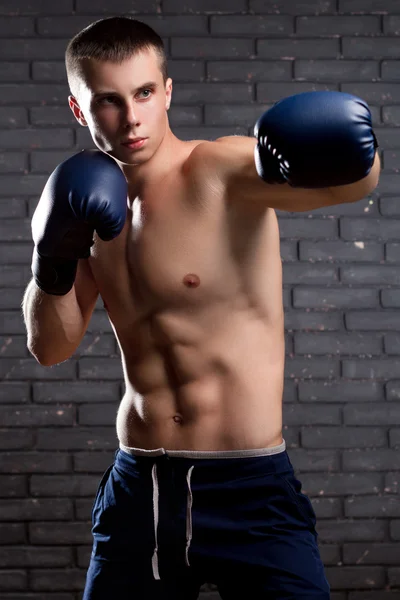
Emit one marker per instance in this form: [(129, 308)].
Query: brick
[(392, 253), (13, 579), (32, 48), (13, 162), (363, 6), (393, 390), (15, 253), (12, 208), (379, 274), (75, 392), (391, 24), (390, 70), (308, 228), (46, 161), (395, 530), (34, 462), (343, 437), (57, 579), (349, 530), (251, 25), (370, 368), (93, 414), (204, 6), (372, 506), (31, 138), (26, 368), (340, 391), (13, 486), (357, 251), (34, 416), (185, 115), (303, 7), (336, 70), (293, 48), (33, 509), (13, 117), (12, 533), (14, 71), (371, 554), (392, 343), (211, 47), (96, 462), (49, 71), (60, 486), (34, 556), (20, 439), (300, 320), (315, 460), (338, 484), (313, 274), (392, 483), (338, 25), (371, 460), (186, 70), (82, 438), (36, 7), (59, 533), (118, 6), (233, 115), (337, 343), (356, 577), (371, 47), (378, 414), (106, 369), (390, 298), (295, 414), (394, 437), (249, 70), (331, 298), (311, 368), (16, 27)]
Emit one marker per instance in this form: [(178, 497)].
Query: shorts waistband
[(205, 453)]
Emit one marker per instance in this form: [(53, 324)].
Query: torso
[(193, 290)]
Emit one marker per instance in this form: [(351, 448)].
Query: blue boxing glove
[(85, 193), (315, 140)]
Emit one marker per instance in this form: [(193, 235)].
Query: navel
[(191, 280), (178, 419)]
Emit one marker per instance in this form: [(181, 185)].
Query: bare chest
[(184, 248)]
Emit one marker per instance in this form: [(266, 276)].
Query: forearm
[(353, 192), (55, 325)]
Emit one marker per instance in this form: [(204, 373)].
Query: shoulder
[(226, 156)]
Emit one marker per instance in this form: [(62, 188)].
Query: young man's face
[(121, 102)]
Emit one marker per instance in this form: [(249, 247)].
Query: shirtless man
[(181, 240)]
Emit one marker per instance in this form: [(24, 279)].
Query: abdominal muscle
[(216, 391)]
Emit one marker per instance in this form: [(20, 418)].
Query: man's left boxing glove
[(315, 140), (86, 193)]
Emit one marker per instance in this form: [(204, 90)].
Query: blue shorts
[(166, 522)]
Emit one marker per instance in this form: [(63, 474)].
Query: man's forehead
[(139, 68)]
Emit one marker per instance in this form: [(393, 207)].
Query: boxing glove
[(86, 193), (315, 140)]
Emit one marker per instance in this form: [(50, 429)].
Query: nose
[(131, 117)]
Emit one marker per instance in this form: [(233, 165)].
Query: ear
[(78, 114), (168, 90)]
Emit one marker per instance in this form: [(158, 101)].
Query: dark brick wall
[(230, 60)]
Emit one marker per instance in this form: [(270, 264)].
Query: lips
[(134, 143)]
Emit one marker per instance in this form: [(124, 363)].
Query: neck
[(154, 169)]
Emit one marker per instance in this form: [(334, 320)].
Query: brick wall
[(230, 60)]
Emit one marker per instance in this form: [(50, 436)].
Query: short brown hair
[(113, 39)]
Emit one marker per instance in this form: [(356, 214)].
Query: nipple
[(191, 280)]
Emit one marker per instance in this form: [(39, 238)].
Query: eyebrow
[(146, 85)]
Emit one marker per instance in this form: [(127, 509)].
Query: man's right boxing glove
[(86, 193)]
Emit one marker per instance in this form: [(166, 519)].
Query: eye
[(107, 100), (147, 91)]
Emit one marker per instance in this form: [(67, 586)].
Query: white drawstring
[(189, 515), (154, 562), (155, 515)]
